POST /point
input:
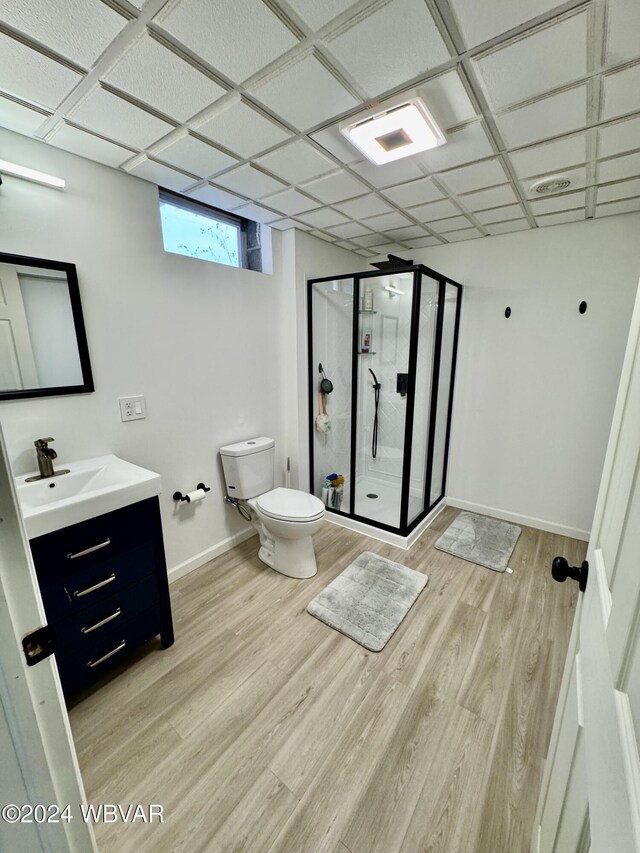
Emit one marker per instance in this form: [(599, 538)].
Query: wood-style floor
[(262, 729)]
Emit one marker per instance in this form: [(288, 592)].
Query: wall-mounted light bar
[(31, 175)]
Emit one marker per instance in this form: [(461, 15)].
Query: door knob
[(561, 570)]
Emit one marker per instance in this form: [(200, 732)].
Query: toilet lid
[(290, 504)]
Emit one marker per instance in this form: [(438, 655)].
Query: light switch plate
[(132, 408)]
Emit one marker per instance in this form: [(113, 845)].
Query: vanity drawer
[(112, 612), (91, 543), (97, 656), (93, 585)]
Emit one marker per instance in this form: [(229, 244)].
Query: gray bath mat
[(369, 599), (480, 539)]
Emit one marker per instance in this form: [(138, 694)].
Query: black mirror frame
[(78, 322)]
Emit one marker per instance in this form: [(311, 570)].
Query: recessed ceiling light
[(398, 131), (31, 175)]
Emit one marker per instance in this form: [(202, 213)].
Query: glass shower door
[(384, 334)]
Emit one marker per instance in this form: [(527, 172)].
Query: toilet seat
[(290, 505)]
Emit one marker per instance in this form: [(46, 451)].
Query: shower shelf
[(367, 311), (365, 352)]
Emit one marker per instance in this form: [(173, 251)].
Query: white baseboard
[(203, 557), (517, 518)]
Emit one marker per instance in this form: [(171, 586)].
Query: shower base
[(386, 507)]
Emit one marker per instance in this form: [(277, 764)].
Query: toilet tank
[(248, 467)]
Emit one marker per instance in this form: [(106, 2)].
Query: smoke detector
[(552, 184)]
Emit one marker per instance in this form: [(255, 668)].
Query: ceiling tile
[(323, 218), (453, 223), (328, 238), (249, 181), (379, 63), (424, 242), (463, 146), (548, 117), (194, 156), (408, 233), (550, 57), (336, 187), (87, 145), (463, 234), (435, 210), (161, 175), (625, 189), (389, 249), (118, 119), (479, 23), (255, 213), (238, 37), (345, 244), (349, 229), (315, 14), (297, 162), (616, 207), (623, 25), (550, 157), (369, 240), (414, 192), (334, 142), (364, 205), (619, 137), (499, 214), (447, 100), (390, 173), (488, 198), (474, 177), (242, 130), (621, 92), (291, 202), (155, 75), (364, 252), (216, 197), (508, 227), (80, 30), (284, 224), (627, 166), (19, 118), (304, 94), (33, 77), (564, 201), (387, 220), (560, 218)]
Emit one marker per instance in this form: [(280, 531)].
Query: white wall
[(199, 340), (535, 393)]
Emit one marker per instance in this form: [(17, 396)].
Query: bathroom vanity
[(103, 579)]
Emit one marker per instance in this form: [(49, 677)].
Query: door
[(590, 797), (39, 765), (17, 365)]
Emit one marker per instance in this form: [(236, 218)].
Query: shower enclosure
[(386, 341)]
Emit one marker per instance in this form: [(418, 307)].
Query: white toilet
[(285, 519)]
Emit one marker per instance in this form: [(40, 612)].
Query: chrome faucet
[(45, 456)]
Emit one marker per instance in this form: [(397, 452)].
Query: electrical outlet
[(132, 408)]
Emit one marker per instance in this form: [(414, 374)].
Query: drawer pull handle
[(86, 551), (118, 648), (80, 592), (102, 622)]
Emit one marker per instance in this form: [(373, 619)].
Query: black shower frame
[(405, 528)]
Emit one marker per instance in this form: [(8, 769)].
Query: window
[(200, 231)]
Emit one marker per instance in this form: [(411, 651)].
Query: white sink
[(92, 487)]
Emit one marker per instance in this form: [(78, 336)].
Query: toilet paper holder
[(178, 496)]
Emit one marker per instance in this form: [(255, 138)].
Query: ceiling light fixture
[(31, 175), (400, 130)]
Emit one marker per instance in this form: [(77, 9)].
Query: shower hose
[(374, 436)]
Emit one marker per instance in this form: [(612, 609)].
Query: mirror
[(43, 343)]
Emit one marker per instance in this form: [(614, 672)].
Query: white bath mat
[(369, 599), (479, 539)]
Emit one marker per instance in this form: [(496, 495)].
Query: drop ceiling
[(237, 103)]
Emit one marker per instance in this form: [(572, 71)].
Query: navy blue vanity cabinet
[(105, 590)]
